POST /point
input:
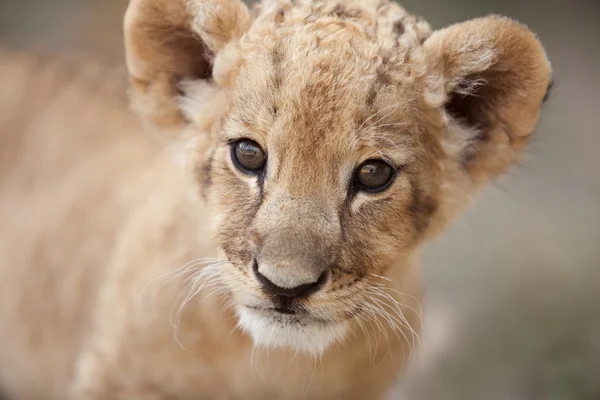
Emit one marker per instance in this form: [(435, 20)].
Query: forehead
[(328, 83)]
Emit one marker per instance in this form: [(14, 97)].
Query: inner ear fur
[(491, 75), (167, 41)]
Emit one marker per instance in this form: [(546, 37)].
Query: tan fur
[(99, 217)]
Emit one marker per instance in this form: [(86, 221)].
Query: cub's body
[(96, 217), (264, 242)]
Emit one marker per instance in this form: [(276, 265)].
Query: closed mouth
[(295, 314), (281, 310), (284, 310)]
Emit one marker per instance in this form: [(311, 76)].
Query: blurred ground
[(513, 305)]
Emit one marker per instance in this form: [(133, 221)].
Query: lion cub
[(264, 245)]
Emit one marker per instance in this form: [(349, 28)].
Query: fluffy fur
[(98, 296)]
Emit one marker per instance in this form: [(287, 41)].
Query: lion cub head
[(331, 138)]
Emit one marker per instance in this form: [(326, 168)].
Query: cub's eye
[(374, 175), (248, 156)]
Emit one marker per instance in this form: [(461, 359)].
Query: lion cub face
[(344, 136), (322, 180)]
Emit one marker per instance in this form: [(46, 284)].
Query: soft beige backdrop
[(513, 305)]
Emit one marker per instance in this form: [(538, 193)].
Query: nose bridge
[(306, 217), (297, 235), (303, 174)]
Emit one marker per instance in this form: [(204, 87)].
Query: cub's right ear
[(170, 40)]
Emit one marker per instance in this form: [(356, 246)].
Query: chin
[(271, 329)]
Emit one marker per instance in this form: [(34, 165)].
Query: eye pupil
[(248, 155), (374, 175)]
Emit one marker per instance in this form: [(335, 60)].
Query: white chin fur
[(268, 332)]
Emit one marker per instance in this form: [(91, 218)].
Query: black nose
[(290, 293)]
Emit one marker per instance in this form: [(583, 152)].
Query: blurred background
[(512, 309)]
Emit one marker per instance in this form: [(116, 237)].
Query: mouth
[(283, 310), (291, 314), (280, 310), (293, 328)]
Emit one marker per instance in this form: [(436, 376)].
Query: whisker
[(385, 287), (170, 276), (400, 319), (381, 277), (389, 352), (357, 318), (392, 322), (391, 310), (375, 312), (206, 279)]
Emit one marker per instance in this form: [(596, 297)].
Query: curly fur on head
[(312, 263)]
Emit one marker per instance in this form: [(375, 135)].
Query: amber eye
[(374, 175), (248, 156)]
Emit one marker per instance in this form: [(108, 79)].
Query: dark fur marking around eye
[(237, 227), (261, 188), (421, 208), (239, 224), (343, 213)]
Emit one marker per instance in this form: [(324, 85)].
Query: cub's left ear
[(491, 75)]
